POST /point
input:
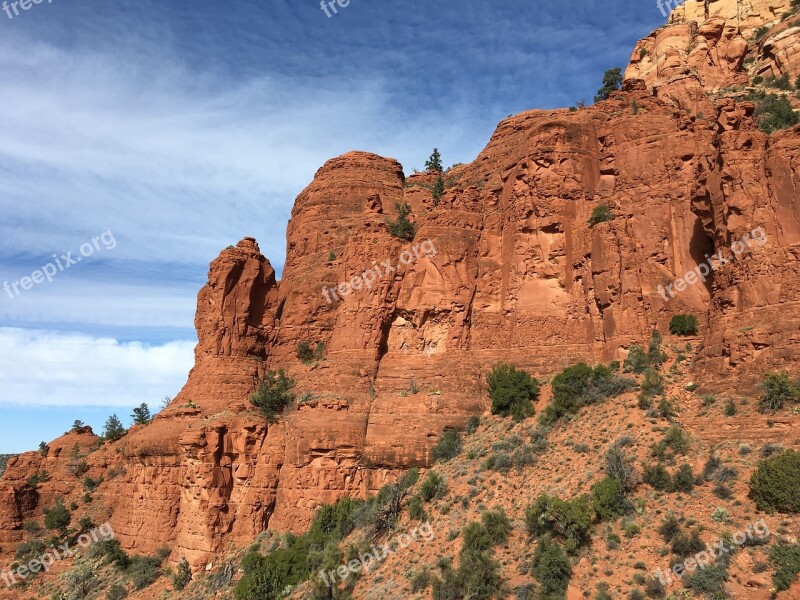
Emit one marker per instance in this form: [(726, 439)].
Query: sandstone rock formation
[(518, 275)]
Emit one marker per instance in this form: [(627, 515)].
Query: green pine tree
[(434, 163), (141, 415), (113, 429)]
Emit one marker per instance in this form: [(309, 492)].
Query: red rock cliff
[(517, 275)]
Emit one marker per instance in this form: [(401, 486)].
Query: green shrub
[(620, 466), (781, 83), (683, 325), (449, 446), (676, 441), (144, 570), (631, 530), (666, 409), (57, 518), (709, 581), (473, 424), (761, 32), (580, 385), (777, 390), (602, 592), (785, 559), (775, 484), (730, 408), (684, 545), (601, 214), (433, 486), (90, 484), (273, 394), (551, 568), (683, 481), (657, 477), (402, 228), (569, 520), (478, 574), (29, 549), (421, 581), (654, 588), (116, 592), (182, 576), (653, 383), (654, 354), (721, 515), (774, 113), (268, 576), (111, 552), (722, 491), (304, 352), (37, 478), (608, 499), (81, 579), (500, 462), (415, 509), (496, 525), (636, 361), (512, 391)]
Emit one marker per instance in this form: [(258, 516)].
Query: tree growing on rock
[(402, 228), (434, 163), (141, 415), (273, 394), (612, 81), (113, 428), (57, 518)]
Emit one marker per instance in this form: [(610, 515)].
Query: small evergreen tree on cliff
[(402, 228), (57, 518), (273, 394), (612, 81), (438, 189), (683, 325), (114, 429), (141, 415), (434, 163)]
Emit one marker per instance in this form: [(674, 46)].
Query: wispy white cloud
[(159, 154), (42, 368), (78, 302)]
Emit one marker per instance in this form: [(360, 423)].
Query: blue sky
[(177, 128)]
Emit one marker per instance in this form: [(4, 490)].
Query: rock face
[(504, 267), (711, 45)]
